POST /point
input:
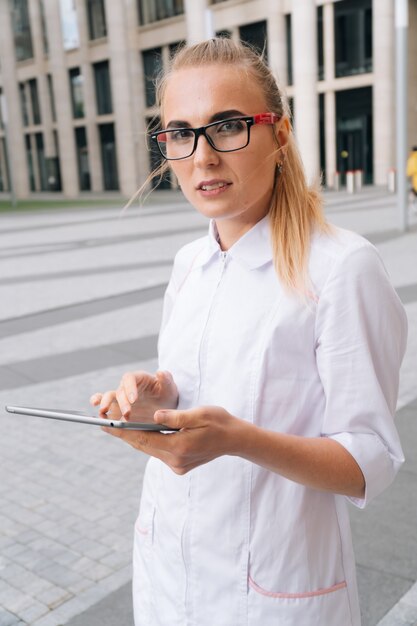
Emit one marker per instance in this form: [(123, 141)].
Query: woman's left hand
[(205, 434)]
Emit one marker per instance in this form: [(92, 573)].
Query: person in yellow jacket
[(412, 171)]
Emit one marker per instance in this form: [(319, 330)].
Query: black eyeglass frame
[(260, 118)]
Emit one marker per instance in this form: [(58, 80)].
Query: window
[(320, 44), (44, 31), (21, 29), (255, 35), (155, 10), (34, 99), (152, 65), (43, 177), (51, 98), (82, 159), (77, 96), (96, 19), (24, 104), (174, 47), (29, 158), (108, 156), (103, 88), (288, 32), (353, 37), (69, 24)]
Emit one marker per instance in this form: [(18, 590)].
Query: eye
[(230, 127), (182, 134)]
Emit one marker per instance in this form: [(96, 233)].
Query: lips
[(212, 185)]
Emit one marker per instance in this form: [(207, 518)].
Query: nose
[(205, 154)]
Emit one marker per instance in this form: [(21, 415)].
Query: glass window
[(288, 32), (174, 47), (34, 99), (353, 37), (29, 158), (24, 104), (255, 35), (44, 31), (103, 88), (320, 44), (69, 24), (54, 168), (82, 159), (51, 97), (96, 19), (108, 156), (152, 65), (21, 29), (77, 95), (43, 177), (154, 10), (224, 33)]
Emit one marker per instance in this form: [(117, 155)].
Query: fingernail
[(131, 397)]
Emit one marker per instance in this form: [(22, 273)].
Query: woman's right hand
[(139, 395)]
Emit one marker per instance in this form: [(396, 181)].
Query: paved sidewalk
[(80, 295)]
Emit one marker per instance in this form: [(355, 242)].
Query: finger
[(129, 383), (124, 404), (95, 399), (106, 401), (165, 379), (174, 419)]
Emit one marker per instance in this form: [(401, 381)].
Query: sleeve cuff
[(377, 464)]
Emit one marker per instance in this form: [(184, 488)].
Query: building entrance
[(354, 133)]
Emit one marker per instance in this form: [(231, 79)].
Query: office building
[(77, 83)]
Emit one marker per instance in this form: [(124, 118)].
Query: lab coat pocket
[(142, 567), (144, 531), (326, 606)]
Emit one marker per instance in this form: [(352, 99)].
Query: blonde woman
[(279, 358)]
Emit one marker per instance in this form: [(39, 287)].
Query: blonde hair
[(296, 209)]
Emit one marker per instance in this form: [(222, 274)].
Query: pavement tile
[(9, 619), (53, 596)]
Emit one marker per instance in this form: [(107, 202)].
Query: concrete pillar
[(121, 95), (65, 127), (383, 89), (330, 121), (45, 109), (197, 20), (93, 142), (16, 144), (277, 49), (412, 73), (306, 102)]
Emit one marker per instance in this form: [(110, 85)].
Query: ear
[(282, 130)]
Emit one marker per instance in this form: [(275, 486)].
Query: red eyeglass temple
[(266, 118)]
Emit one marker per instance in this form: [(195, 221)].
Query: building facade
[(77, 83)]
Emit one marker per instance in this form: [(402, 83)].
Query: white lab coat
[(231, 543)]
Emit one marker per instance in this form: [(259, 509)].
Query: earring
[(280, 165)]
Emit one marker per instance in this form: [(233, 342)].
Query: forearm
[(318, 462)]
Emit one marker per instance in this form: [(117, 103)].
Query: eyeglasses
[(225, 136)]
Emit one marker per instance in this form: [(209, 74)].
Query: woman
[(279, 355)]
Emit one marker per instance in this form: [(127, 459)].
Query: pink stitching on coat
[(142, 531), (294, 596)]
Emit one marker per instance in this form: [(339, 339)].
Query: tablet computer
[(83, 418)]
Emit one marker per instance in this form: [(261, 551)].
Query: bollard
[(392, 175), (358, 180), (350, 182), (336, 181)]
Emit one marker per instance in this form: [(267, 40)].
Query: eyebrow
[(217, 117)]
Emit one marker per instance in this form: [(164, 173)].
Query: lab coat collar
[(252, 250)]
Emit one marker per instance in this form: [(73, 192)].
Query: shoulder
[(186, 257), (341, 252)]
